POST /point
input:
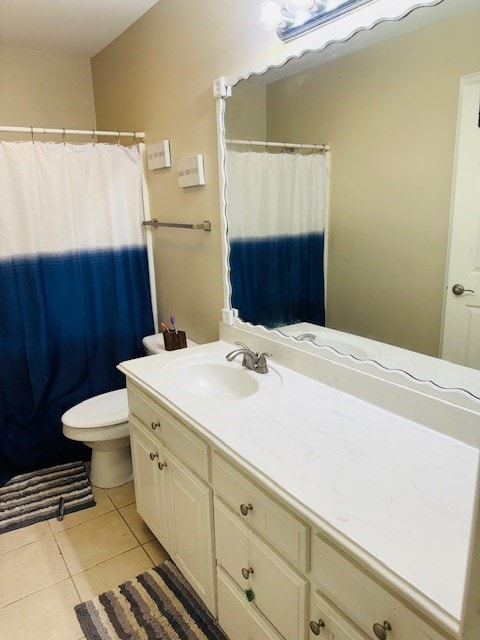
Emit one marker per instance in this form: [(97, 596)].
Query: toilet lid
[(100, 411)]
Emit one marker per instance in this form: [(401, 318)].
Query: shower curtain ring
[(93, 136), (31, 133), (63, 136), (117, 138)]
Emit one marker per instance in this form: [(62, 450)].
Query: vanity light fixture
[(293, 18)]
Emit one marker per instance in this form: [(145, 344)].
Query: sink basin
[(212, 377)]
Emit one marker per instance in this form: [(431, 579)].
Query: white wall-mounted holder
[(191, 172), (158, 155)]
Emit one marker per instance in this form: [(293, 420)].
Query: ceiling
[(78, 27)]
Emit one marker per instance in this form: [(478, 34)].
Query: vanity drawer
[(362, 598), (176, 435), (286, 532)]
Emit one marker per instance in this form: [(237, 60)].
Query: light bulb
[(270, 15)]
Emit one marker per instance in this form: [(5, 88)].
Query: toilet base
[(110, 468)]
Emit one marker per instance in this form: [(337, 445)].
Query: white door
[(461, 328)]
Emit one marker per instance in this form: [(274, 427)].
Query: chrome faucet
[(251, 360)]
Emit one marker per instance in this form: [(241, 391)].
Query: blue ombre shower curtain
[(74, 290), (276, 211)]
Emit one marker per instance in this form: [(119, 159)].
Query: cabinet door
[(239, 618), (280, 592), (190, 509), (232, 608), (147, 452)]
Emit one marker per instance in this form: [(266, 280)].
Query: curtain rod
[(78, 132), (260, 143)]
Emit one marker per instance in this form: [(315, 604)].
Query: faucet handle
[(261, 366)]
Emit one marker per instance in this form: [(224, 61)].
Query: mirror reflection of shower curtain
[(74, 292), (276, 210)]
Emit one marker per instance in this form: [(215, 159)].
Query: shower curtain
[(74, 289), (276, 209)]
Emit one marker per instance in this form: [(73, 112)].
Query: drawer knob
[(380, 630), (154, 425), (249, 595), (161, 465), (153, 456), (316, 627), (245, 508), (246, 572)]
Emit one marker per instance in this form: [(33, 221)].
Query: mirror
[(387, 102)]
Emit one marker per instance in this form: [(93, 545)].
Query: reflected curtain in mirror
[(276, 203)]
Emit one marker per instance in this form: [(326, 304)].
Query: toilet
[(101, 423)]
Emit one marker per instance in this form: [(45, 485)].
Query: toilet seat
[(105, 410)]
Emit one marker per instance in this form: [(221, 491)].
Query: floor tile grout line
[(131, 529), (70, 576), (32, 593), (25, 544), (118, 555), (65, 562)]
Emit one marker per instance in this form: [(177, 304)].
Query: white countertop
[(402, 494)]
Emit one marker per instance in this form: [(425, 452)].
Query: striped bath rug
[(33, 497), (158, 604)]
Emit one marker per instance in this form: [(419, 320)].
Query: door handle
[(458, 289)]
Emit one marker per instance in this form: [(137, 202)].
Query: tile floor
[(49, 567)]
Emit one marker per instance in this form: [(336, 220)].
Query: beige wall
[(44, 89), (158, 77), (246, 114), (391, 113)]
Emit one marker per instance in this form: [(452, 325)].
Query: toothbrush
[(172, 322)]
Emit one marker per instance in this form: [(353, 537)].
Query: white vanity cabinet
[(244, 524), (171, 464)]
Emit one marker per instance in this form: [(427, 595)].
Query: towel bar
[(206, 225)]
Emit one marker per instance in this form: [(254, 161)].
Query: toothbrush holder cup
[(174, 340)]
